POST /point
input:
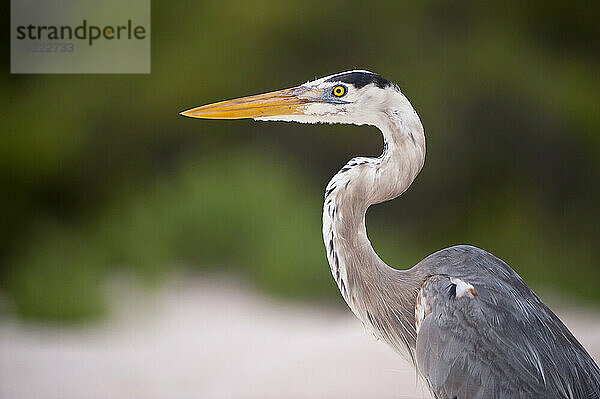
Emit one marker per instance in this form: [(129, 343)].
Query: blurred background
[(103, 181)]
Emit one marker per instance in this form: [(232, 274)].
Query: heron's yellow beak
[(281, 102)]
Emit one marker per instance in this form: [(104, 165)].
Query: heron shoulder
[(504, 333), (474, 265)]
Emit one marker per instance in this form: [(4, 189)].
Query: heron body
[(466, 320)]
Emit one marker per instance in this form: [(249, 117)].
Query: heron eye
[(339, 90)]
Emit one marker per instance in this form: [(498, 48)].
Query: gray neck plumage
[(362, 277)]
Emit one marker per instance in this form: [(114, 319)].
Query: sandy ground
[(212, 338)]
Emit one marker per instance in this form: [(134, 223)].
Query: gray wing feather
[(502, 343)]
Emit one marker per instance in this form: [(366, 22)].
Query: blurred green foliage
[(100, 175)]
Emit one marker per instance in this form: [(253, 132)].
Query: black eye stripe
[(360, 79)]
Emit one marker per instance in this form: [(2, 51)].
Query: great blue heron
[(463, 317)]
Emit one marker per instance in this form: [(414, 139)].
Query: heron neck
[(362, 277)]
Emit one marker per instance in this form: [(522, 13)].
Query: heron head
[(353, 97)]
